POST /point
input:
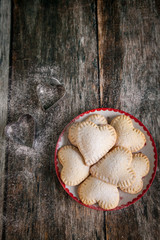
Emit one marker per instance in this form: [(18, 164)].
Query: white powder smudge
[(28, 175), (23, 89), (45, 74), (130, 96)]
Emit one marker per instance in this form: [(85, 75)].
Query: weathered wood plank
[(5, 22), (110, 52), (50, 38), (129, 46)]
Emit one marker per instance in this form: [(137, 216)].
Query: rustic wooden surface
[(106, 54), (5, 21)]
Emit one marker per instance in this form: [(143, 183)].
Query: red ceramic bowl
[(149, 150)]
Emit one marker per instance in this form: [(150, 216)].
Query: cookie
[(127, 135), (72, 133), (115, 168), (93, 190), (74, 170), (94, 141), (140, 164), (95, 118)]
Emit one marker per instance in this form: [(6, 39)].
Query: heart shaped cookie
[(115, 168), (140, 164), (95, 118), (74, 170), (94, 141), (93, 190), (127, 135), (22, 131), (72, 134), (49, 94)]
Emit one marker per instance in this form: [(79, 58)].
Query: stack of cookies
[(101, 159)]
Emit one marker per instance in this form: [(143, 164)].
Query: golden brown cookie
[(140, 165), (115, 168), (72, 133), (127, 135), (95, 118), (94, 141), (74, 170), (93, 190)]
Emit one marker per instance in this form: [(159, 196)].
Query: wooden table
[(107, 54)]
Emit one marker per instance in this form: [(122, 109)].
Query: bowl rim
[(154, 150)]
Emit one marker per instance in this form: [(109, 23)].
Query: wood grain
[(128, 37), (110, 52), (50, 39), (5, 22), (61, 39)]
